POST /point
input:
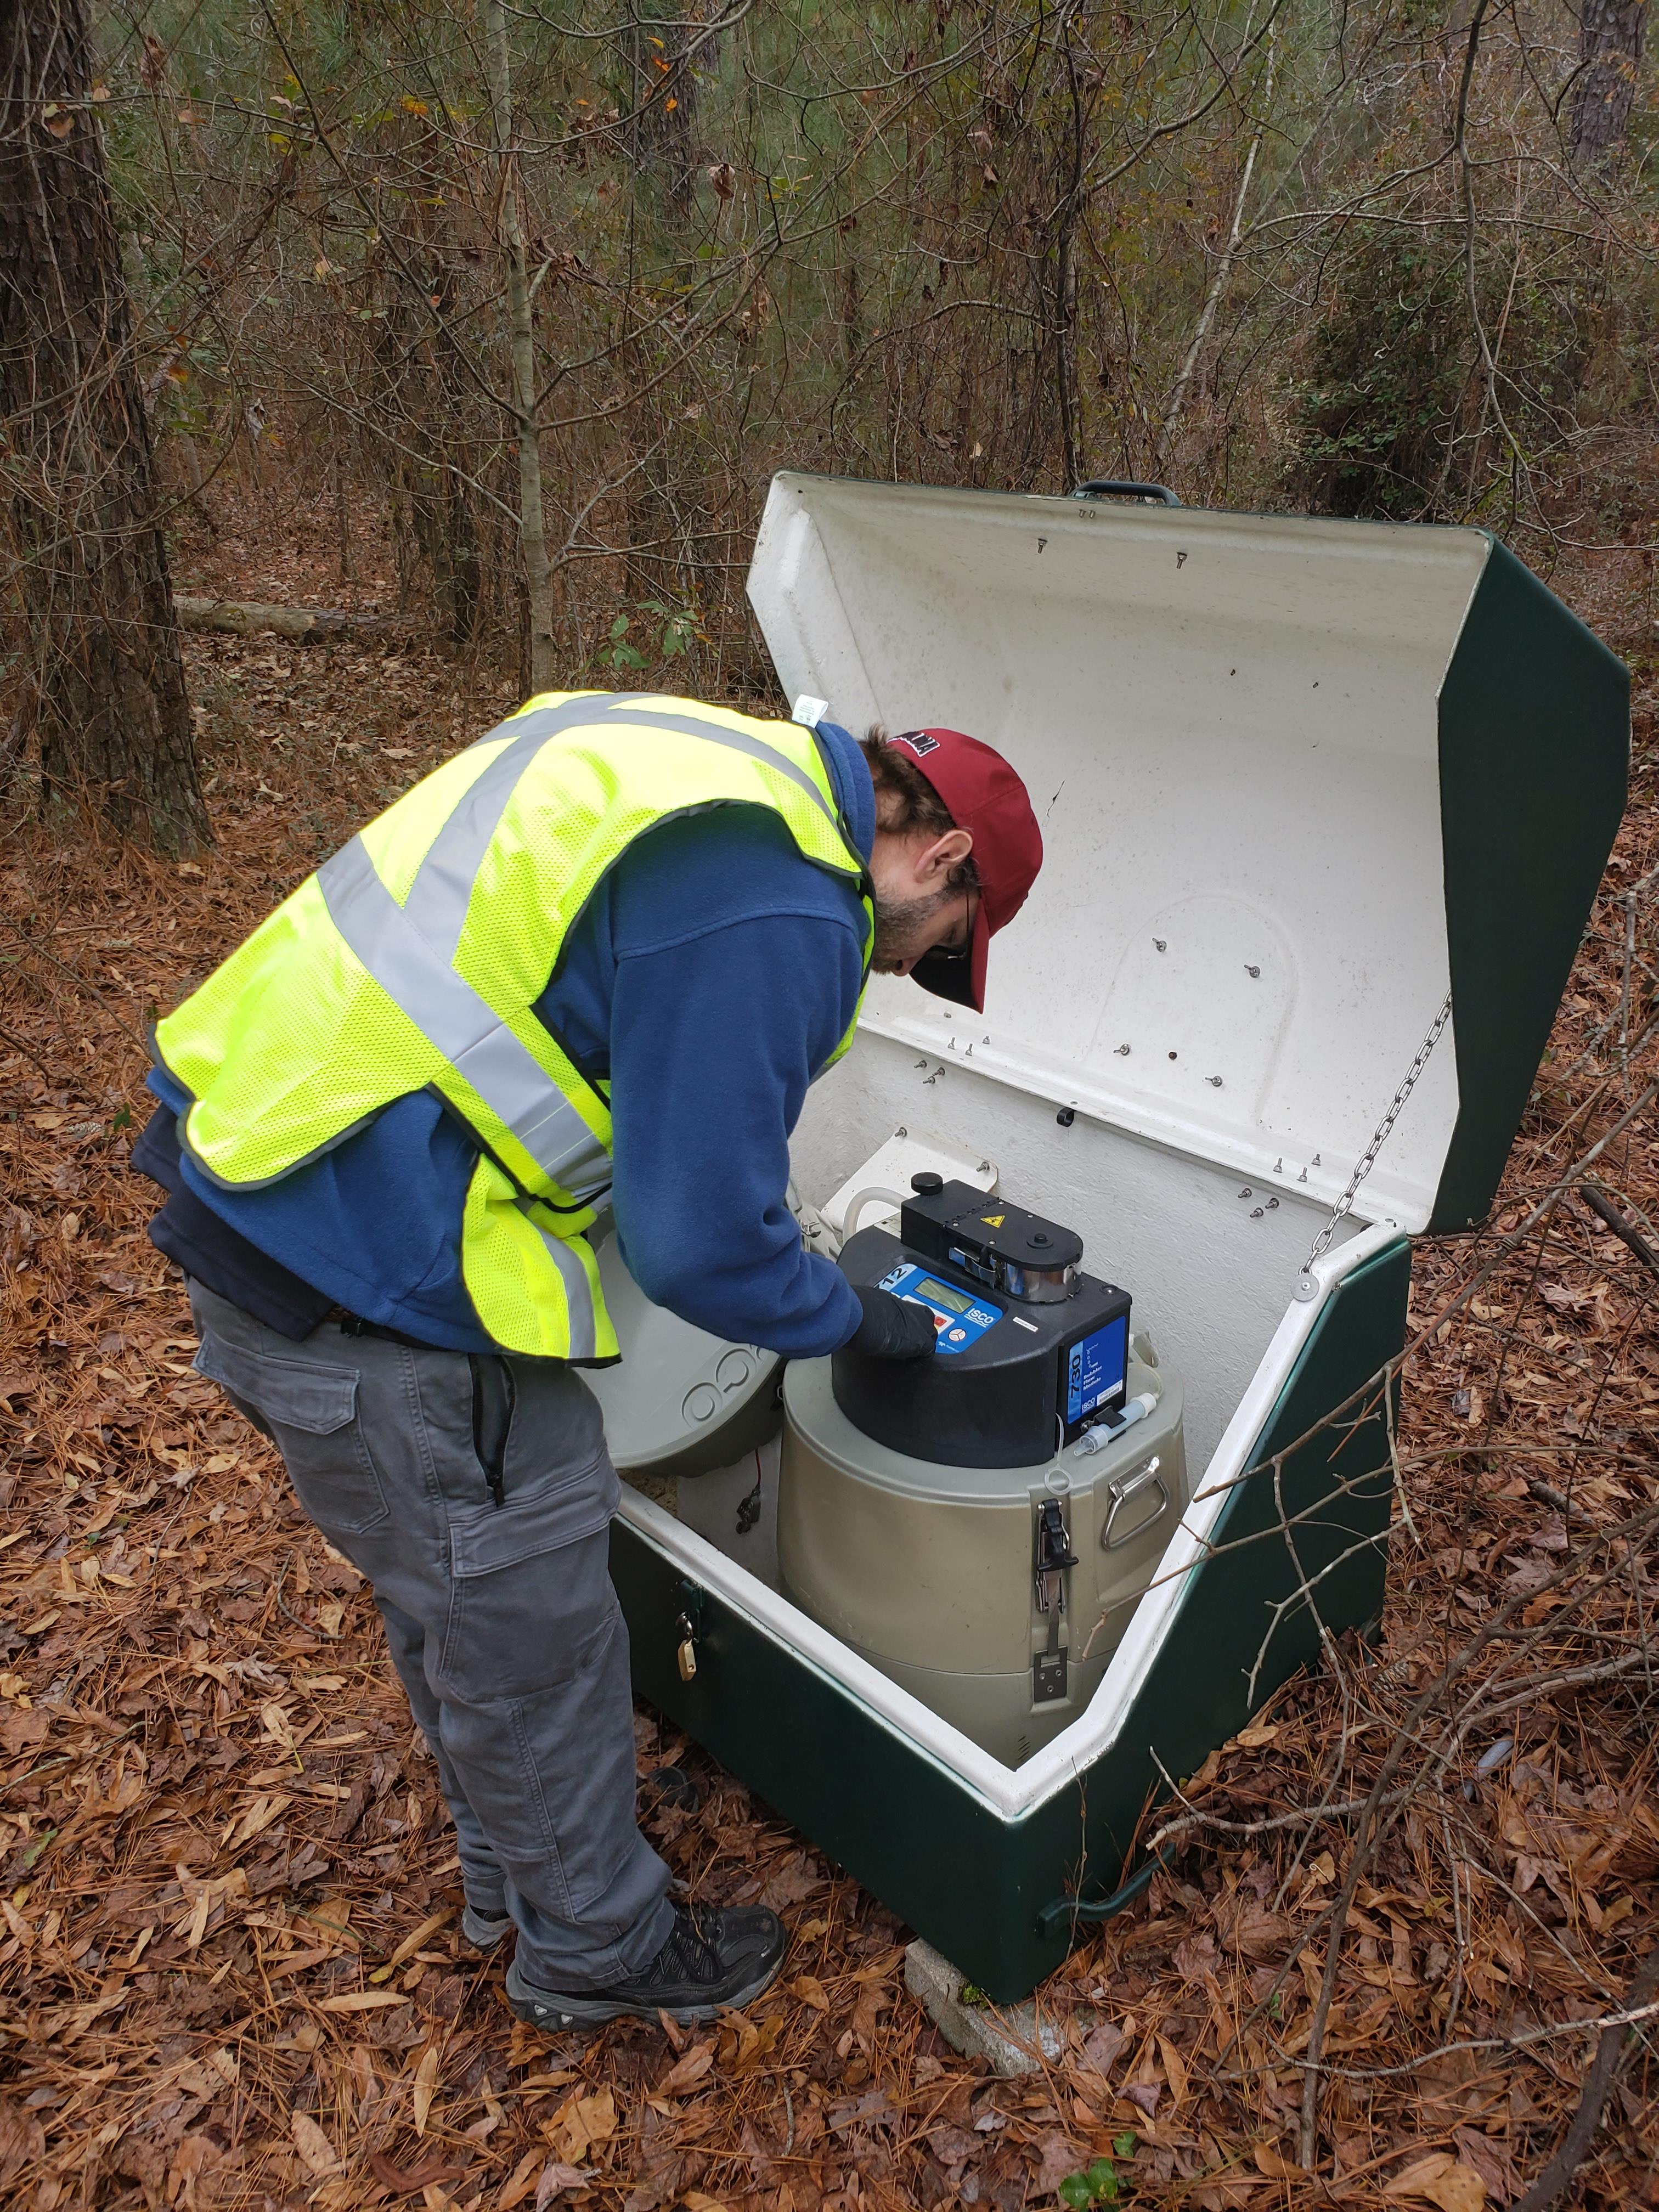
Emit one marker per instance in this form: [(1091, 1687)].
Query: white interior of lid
[(1228, 727)]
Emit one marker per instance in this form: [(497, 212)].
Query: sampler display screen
[(1096, 1368), (960, 1317)]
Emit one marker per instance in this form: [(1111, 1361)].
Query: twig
[(1625, 1230), (1309, 1815), (1405, 1743), (29, 1054), (24, 936), (1617, 2040), (1460, 1932)]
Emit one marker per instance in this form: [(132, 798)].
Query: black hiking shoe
[(716, 1956)]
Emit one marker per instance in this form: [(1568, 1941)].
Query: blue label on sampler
[(960, 1318), (1096, 1367)]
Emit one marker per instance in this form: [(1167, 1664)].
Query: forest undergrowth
[(232, 1973)]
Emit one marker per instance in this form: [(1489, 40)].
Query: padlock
[(688, 1651)]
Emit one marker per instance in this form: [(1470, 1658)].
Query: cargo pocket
[(543, 1515), (310, 1411)]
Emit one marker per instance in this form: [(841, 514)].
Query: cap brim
[(948, 976)]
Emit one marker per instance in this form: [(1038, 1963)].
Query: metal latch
[(1054, 1555), (1120, 1490)]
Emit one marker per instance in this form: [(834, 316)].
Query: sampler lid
[(1296, 780)]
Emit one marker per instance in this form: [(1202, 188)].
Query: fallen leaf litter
[(232, 1973)]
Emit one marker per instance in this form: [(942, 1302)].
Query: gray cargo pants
[(476, 1496)]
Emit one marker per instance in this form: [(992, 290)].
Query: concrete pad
[(1009, 2040)]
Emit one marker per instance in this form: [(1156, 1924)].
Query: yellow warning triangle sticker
[(994, 1220)]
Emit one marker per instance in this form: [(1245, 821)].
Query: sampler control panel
[(958, 1319), (1029, 1350)]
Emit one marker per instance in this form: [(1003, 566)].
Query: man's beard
[(899, 923)]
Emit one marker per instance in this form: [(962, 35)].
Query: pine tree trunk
[(542, 656), (1610, 37), (111, 713)]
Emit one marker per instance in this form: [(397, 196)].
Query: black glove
[(892, 1329)]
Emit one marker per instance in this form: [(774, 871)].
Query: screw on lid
[(926, 1184)]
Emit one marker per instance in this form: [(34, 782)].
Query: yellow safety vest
[(411, 960)]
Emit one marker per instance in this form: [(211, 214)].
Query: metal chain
[(1379, 1137)]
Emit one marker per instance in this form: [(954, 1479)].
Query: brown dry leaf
[(426, 2087), (687, 2071), (317, 2153), (580, 2122), (872, 2001), (1256, 1931), (1174, 2070), (1441, 2180), (555, 2178), (432, 2172), (22, 2138), (810, 1991), (1274, 2164), (521, 2182), (1057, 2157), (695, 2201)]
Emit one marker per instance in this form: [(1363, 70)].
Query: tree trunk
[(660, 102), (111, 713), (532, 530), (1610, 36), (1177, 398)]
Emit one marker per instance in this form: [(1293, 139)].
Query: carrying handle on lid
[(1122, 487)]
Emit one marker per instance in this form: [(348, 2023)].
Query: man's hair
[(906, 805)]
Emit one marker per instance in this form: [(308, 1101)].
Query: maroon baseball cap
[(985, 797)]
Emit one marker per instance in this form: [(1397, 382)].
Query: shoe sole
[(593, 2012), (485, 1932)]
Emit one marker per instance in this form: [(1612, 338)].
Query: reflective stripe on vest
[(409, 949), (469, 1033)]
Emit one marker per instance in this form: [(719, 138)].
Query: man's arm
[(714, 1042)]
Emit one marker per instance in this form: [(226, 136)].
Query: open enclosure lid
[(1296, 778)]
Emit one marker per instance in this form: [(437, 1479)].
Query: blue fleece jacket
[(709, 979)]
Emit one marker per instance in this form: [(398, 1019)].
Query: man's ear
[(945, 853)]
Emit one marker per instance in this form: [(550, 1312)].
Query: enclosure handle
[(1124, 488)]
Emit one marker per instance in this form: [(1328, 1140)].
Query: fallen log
[(304, 625)]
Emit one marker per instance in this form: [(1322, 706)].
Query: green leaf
[(619, 627), (1101, 2178), (1075, 2191), (1124, 2145), (624, 656)]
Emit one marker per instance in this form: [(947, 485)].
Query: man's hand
[(892, 1329)]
